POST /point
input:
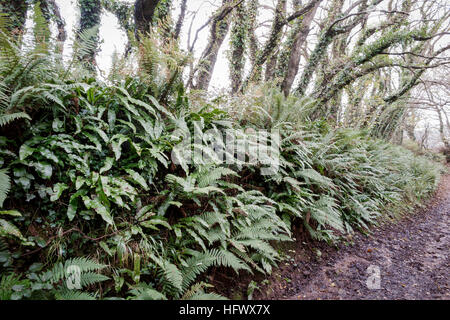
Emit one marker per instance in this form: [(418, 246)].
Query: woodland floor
[(413, 256)]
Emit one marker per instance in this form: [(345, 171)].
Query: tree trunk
[(144, 11), (271, 44), (238, 40), (50, 10), (16, 10), (295, 55), (253, 41), (320, 50), (219, 30), (180, 19), (441, 128), (271, 64), (90, 12)]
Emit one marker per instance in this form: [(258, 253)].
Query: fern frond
[(5, 185), (207, 296), (60, 270), (7, 228), (66, 294), (146, 292), (228, 259), (90, 278), (169, 272), (209, 177), (8, 118), (7, 282)]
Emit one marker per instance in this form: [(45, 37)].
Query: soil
[(410, 255)]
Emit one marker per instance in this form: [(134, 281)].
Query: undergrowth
[(94, 207)]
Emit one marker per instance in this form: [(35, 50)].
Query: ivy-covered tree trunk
[(388, 122), (50, 11), (219, 30), (144, 11), (238, 41), (253, 46), (180, 20), (328, 33), (301, 31), (287, 46), (16, 10), (163, 17), (444, 138), (271, 45), (88, 32)]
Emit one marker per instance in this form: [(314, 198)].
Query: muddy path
[(406, 260)]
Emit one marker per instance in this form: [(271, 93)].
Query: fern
[(169, 272), (9, 229), (8, 118), (91, 278), (7, 282), (145, 292), (66, 294), (101, 150), (196, 292), (85, 43), (209, 177), (61, 271), (5, 185)]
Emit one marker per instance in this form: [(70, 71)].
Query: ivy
[(238, 43), (90, 16), (16, 10)]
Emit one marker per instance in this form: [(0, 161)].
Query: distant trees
[(358, 60), (431, 98), (359, 65)]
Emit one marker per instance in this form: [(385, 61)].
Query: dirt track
[(412, 257)]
